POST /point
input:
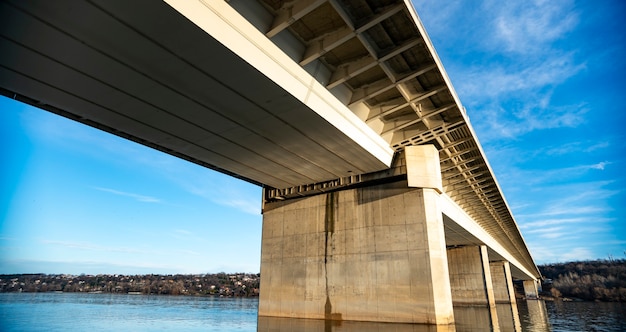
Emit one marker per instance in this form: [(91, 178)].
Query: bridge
[(379, 203)]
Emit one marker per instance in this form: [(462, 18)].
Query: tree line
[(594, 280), (220, 284)]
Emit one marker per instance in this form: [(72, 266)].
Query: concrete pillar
[(503, 290), (283, 324), (508, 317), (470, 276), (375, 253), (504, 294), (531, 291), (538, 316), (470, 279)]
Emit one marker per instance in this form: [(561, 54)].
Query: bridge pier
[(470, 276), (503, 290), (504, 293), (470, 279), (531, 289), (372, 253)]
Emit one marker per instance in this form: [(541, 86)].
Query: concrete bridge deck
[(303, 97)]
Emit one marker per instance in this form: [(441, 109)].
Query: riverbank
[(598, 281), (218, 284)]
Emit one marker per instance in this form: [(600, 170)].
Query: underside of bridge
[(308, 98)]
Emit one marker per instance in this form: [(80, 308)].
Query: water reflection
[(475, 318), (587, 316), (508, 317), (504, 317), (276, 324), (534, 315)]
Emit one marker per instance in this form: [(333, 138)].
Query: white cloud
[(600, 165), (528, 26), (559, 208), (508, 77), (500, 122), (188, 237), (197, 180), (77, 267), (553, 235), (576, 254), (226, 192), (486, 81), (188, 252), (514, 98), (559, 221), (573, 147), (560, 232), (551, 253), (547, 233), (564, 182), (140, 198), (250, 206), (95, 247)]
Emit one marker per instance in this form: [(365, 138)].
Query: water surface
[(113, 312)]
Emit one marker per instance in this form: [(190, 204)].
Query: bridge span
[(379, 202)]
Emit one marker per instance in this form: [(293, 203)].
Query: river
[(112, 312)]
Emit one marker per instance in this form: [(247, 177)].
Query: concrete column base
[(470, 279), (538, 315), (470, 276), (504, 295), (531, 290), (368, 254), (503, 290)]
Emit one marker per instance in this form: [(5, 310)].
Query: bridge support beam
[(470, 279), (373, 253), (503, 290), (504, 293), (470, 276), (531, 289)]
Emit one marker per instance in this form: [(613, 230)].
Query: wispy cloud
[(562, 221), (600, 165), (573, 147), (569, 209), (552, 253), (183, 232), (227, 192), (250, 206), (140, 198), (486, 81), (512, 99), (551, 232), (571, 203), (187, 236), (515, 64), (570, 181), (564, 233), (87, 246), (528, 26), (513, 120), (79, 266), (95, 247), (189, 252), (576, 254)]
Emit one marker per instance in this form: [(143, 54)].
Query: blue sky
[(543, 83)]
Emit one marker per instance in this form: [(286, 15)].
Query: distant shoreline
[(597, 280), (218, 284)]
